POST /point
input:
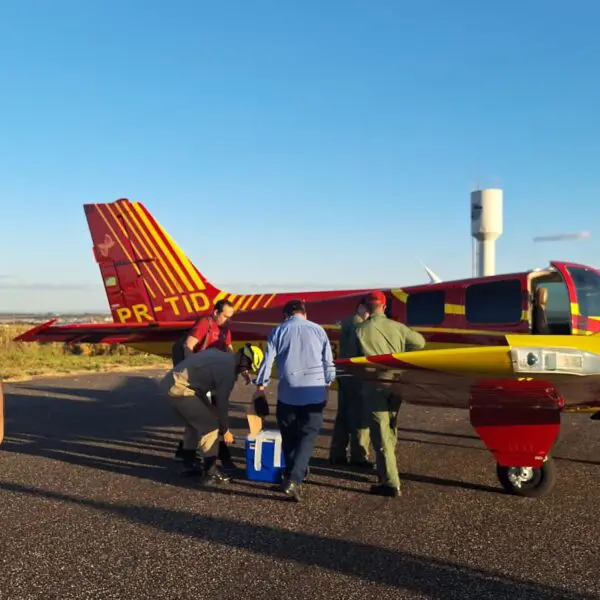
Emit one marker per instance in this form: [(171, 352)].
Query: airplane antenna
[(433, 278)]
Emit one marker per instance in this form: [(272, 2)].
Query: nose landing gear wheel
[(530, 482)]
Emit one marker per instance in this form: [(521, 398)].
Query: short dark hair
[(372, 306), (293, 307), (221, 304), (362, 301)]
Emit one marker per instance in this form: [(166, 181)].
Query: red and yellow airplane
[(475, 330)]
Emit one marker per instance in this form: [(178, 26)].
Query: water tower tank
[(486, 227)]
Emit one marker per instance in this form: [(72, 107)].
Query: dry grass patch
[(21, 360)]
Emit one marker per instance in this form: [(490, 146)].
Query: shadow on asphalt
[(402, 570), (132, 430)]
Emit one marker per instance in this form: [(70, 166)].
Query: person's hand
[(228, 437)]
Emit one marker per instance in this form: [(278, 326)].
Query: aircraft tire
[(531, 482)]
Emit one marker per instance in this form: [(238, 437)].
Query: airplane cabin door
[(583, 287)]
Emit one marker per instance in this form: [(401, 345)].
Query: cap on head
[(254, 354), (376, 297)]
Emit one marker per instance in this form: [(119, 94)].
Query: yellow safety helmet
[(255, 354)]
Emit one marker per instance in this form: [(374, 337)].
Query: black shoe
[(595, 416), (215, 475), (291, 490), (385, 490), (362, 464), (341, 460), (285, 477), (191, 467)]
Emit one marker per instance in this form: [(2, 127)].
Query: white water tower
[(486, 228)]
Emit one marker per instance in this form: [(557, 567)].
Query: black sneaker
[(191, 467), (292, 491), (216, 476)]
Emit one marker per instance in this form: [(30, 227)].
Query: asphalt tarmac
[(92, 507)]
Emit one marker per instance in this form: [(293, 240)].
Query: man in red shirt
[(210, 331)]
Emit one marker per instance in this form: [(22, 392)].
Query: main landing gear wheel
[(531, 482)]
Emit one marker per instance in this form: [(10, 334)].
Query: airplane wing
[(109, 333), (129, 333), (425, 377), (569, 365)]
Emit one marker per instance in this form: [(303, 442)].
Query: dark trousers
[(299, 427), (351, 428), (224, 453)]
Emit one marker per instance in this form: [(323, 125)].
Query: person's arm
[(264, 371), (413, 339), (228, 343), (222, 393), (197, 333), (328, 366)]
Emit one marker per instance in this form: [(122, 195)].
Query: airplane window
[(425, 308), (587, 285), (497, 302)]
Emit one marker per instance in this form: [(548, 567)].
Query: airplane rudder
[(132, 284), (142, 265)]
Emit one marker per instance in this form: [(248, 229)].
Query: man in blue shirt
[(302, 353)]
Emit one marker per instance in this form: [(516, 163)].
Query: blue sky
[(320, 143)]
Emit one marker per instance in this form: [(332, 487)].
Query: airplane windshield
[(587, 285)]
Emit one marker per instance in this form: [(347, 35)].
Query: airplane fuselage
[(156, 293)]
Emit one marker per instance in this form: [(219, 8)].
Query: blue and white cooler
[(264, 456)]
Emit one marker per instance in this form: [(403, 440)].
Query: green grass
[(23, 360)]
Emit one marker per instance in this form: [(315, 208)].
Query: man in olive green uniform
[(380, 335), (351, 427)]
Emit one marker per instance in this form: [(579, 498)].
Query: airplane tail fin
[(148, 278), (145, 274)]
